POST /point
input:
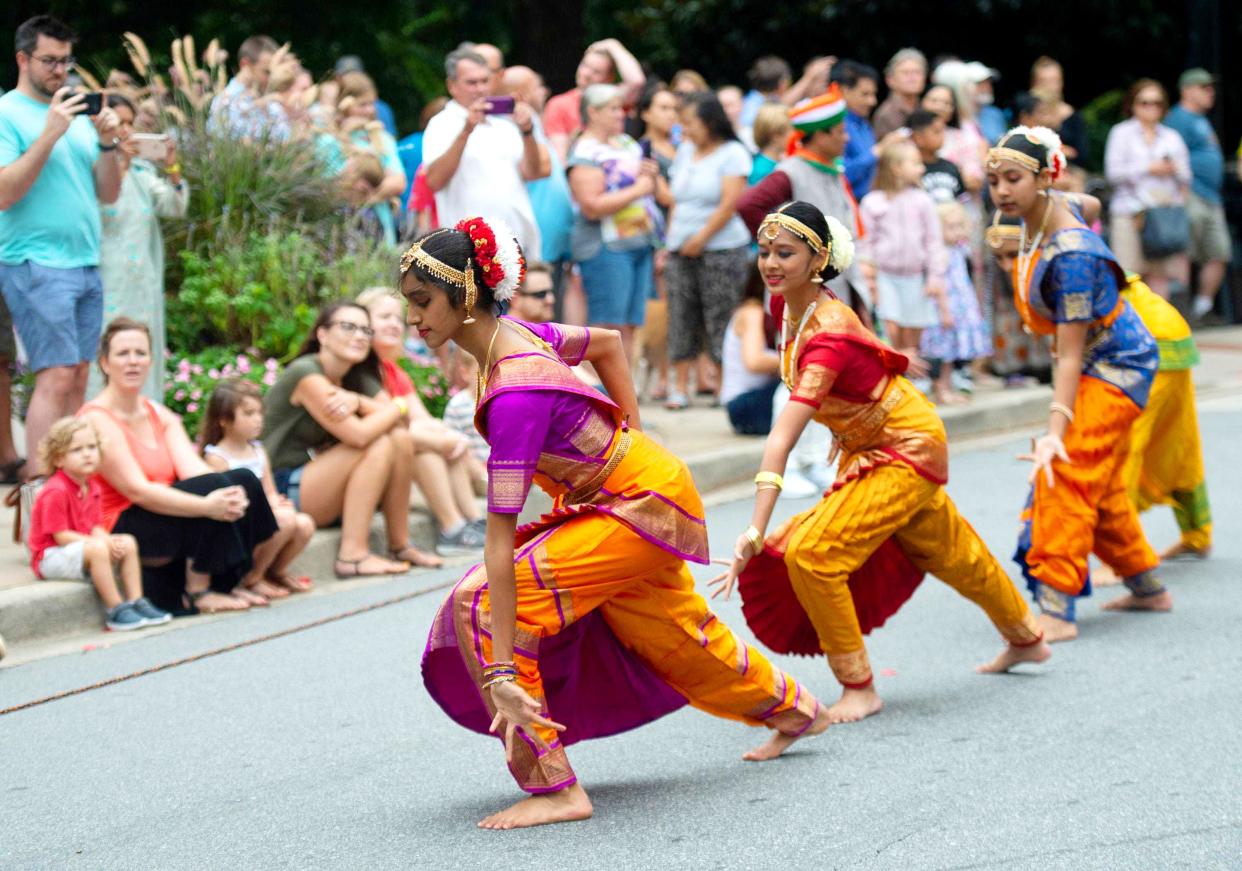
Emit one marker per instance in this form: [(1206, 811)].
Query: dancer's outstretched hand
[(724, 583), (517, 709), (1044, 450)]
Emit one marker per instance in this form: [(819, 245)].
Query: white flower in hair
[(842, 245), (509, 256), (1051, 142)]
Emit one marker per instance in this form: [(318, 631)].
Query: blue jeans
[(289, 484), (58, 312), (750, 413), (617, 285)]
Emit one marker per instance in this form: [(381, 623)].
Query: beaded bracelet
[(499, 679)]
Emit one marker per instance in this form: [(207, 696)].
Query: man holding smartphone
[(481, 150), (55, 170)]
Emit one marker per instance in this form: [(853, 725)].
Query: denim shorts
[(58, 312), (289, 484), (617, 285)]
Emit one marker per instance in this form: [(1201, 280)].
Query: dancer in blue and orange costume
[(1067, 285), (846, 565), (589, 614), (1164, 464)]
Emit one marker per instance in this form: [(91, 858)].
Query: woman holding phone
[(616, 229), (131, 264)]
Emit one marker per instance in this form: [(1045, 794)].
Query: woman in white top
[(1147, 165), (750, 368)]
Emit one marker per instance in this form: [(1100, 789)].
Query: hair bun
[(842, 246), (498, 253)]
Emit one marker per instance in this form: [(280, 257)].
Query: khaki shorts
[(1209, 233), (1126, 241), (65, 562)]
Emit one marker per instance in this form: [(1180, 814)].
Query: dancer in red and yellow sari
[(1067, 285), (856, 556), (589, 614)]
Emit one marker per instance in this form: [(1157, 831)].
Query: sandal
[(415, 557), (268, 590), (677, 401), (355, 570)]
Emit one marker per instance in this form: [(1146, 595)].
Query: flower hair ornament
[(1048, 140), (496, 251)]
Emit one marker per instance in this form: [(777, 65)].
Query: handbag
[(22, 499), (1165, 231)]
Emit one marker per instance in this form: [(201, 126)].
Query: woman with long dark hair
[(589, 614), (339, 445)]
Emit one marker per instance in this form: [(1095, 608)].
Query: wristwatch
[(112, 147)]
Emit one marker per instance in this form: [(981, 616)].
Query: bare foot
[(1011, 656), (564, 806), (779, 742), (250, 597), (1181, 551), (1159, 602), (210, 602), (267, 590), (1056, 629), (855, 705), (1104, 576)]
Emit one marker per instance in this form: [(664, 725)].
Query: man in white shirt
[(478, 163)]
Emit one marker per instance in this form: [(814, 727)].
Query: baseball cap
[(981, 72), (1196, 76)]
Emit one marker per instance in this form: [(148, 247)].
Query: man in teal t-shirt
[(54, 173)]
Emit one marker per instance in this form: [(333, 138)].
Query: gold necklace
[(787, 367), (1026, 254), (481, 378)]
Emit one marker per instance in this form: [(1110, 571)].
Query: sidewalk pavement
[(38, 612)]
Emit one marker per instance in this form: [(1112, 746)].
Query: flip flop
[(356, 571)]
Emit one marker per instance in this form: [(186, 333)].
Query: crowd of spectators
[(635, 200)]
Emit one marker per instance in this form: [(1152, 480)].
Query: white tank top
[(256, 462), (735, 378)]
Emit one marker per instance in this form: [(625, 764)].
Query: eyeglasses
[(1149, 103), (536, 294), (349, 328), (57, 62)]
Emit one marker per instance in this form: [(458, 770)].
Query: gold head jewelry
[(442, 271), (998, 234), (1001, 153), (772, 224)]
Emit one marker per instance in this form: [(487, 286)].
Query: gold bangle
[(1062, 408), (755, 538), (770, 478)]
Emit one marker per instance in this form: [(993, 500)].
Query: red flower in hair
[(484, 241)]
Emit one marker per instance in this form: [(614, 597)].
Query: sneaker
[(798, 486), (466, 539), (479, 524), (962, 381), (124, 617), (151, 615)]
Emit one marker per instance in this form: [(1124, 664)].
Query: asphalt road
[(321, 749)]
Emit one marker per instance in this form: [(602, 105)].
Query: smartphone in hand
[(500, 105), (93, 102), (645, 145), (150, 146)]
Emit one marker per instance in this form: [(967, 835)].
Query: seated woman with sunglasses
[(340, 446)]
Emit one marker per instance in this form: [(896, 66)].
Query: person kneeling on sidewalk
[(67, 537)]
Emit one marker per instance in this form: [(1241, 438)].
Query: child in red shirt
[(67, 537)]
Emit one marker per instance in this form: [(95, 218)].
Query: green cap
[(1196, 76)]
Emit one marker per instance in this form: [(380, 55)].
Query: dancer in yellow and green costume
[(1067, 285), (850, 562)]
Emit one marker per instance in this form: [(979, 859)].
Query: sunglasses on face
[(350, 328), (536, 294), (1149, 103)]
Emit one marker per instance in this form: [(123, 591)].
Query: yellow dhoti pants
[(1165, 463), (647, 597), (838, 536)]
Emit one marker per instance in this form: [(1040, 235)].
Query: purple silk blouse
[(524, 424)]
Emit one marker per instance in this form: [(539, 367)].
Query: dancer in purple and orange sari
[(588, 615), (1067, 284), (849, 563)]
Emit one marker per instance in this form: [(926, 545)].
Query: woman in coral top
[(158, 489), (853, 559)]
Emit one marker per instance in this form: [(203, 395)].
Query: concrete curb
[(47, 610)]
